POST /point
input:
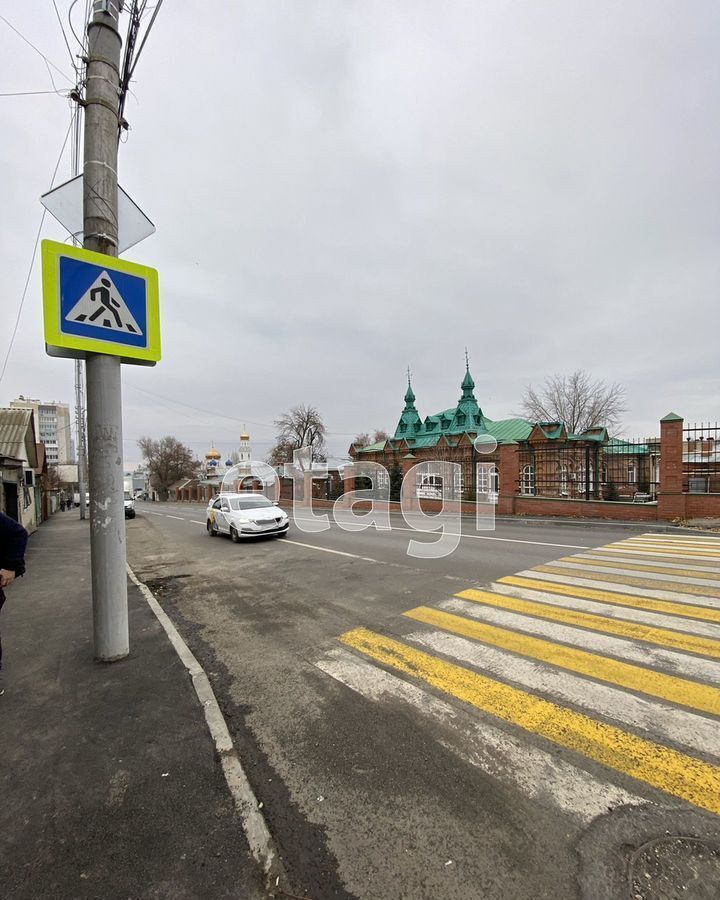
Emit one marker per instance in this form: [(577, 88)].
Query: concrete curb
[(255, 827)]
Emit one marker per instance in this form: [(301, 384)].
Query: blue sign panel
[(94, 303), (101, 303)]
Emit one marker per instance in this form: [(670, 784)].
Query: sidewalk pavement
[(109, 784)]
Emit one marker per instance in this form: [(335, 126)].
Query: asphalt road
[(496, 745)]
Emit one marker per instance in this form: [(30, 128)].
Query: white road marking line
[(157, 514), (633, 573), (477, 537), (195, 522), (337, 552), (494, 751), (655, 563), (599, 584), (654, 717), (180, 518), (256, 830), (680, 664)]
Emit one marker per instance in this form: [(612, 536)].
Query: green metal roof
[(464, 418), (551, 430), (373, 448), (507, 430), (598, 435), (626, 448)]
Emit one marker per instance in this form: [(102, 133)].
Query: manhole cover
[(675, 868)]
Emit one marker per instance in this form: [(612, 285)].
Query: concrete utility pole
[(104, 393), (81, 447)]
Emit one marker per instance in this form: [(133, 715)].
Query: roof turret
[(410, 423)]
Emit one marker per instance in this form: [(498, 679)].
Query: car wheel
[(234, 535), (212, 530)]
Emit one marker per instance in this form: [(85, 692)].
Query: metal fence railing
[(701, 458), (619, 469)]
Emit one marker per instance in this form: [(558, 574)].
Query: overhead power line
[(48, 62), (34, 253), (32, 93), (67, 44)]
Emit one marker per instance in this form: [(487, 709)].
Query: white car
[(245, 515)]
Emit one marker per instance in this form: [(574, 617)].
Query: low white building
[(18, 465)]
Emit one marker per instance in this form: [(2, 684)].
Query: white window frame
[(527, 480), (564, 477)]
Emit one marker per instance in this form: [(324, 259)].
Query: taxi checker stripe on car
[(676, 773), (652, 582), (687, 693)]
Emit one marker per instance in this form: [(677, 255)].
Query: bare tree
[(380, 435), (167, 461), (362, 439), (577, 400), (301, 427)]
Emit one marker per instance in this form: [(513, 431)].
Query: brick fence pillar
[(671, 499), (348, 485), (509, 469), (408, 492)]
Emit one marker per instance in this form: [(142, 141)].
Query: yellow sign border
[(52, 251)]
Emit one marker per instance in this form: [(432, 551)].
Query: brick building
[(447, 436), (548, 462)]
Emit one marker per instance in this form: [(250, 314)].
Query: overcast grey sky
[(342, 189)]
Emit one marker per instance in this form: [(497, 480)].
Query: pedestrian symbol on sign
[(102, 305)]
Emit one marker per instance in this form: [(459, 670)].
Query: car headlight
[(241, 521)]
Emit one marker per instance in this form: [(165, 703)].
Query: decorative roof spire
[(468, 385), (409, 393)]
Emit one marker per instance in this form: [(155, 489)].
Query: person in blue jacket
[(13, 541)]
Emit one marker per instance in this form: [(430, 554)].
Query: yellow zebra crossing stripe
[(688, 610), (697, 590), (625, 563), (648, 557), (675, 773), (622, 674), (663, 550)]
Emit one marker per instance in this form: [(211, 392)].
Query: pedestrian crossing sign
[(99, 304)]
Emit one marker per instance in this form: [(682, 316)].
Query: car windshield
[(249, 502)]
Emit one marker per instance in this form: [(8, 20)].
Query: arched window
[(581, 479), (527, 480), (563, 479), (488, 482)]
